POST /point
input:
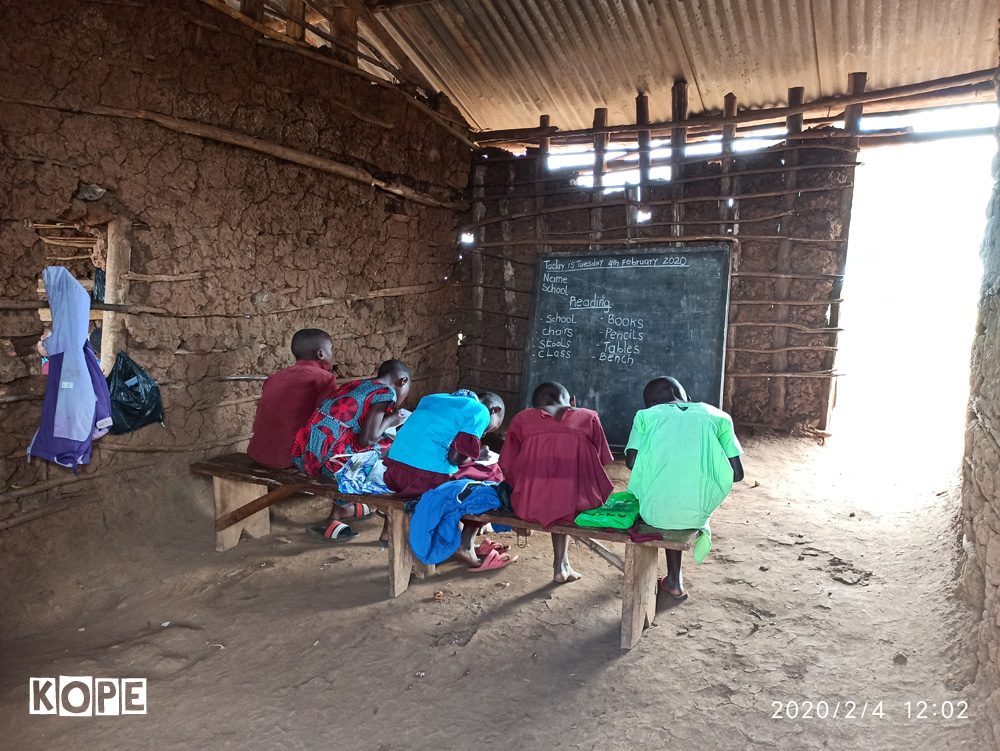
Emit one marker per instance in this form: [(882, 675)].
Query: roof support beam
[(381, 6), (329, 8)]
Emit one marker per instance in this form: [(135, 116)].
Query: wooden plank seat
[(244, 490)]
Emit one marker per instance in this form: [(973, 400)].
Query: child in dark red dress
[(554, 458)]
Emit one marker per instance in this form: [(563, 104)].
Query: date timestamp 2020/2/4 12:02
[(851, 710)]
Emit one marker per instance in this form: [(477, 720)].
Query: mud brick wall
[(790, 213), (981, 472), (275, 246)]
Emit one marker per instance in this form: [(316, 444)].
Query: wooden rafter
[(331, 8), (381, 6)]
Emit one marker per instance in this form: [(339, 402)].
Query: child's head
[(395, 373), (95, 341), (550, 394), (313, 344), (495, 405), (663, 390)]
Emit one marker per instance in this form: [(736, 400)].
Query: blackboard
[(605, 325)]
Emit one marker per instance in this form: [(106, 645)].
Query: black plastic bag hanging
[(99, 281), (135, 396)]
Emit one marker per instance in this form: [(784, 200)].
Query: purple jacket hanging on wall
[(77, 406)]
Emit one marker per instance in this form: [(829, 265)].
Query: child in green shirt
[(684, 459)]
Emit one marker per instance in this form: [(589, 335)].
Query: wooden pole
[(600, 147), (295, 9), (478, 269), (253, 9), (727, 212), (541, 171), (116, 289), (513, 374), (344, 28), (409, 100), (783, 265), (386, 40), (625, 202), (779, 113), (234, 138), (642, 118), (678, 140), (852, 123), (600, 159), (729, 215)]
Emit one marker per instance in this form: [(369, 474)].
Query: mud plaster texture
[(266, 236), (981, 475), (815, 221)]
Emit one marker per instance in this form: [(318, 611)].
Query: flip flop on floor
[(332, 532), (493, 561), (484, 548), (680, 598), (358, 511)]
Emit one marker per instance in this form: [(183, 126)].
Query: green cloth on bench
[(619, 512)]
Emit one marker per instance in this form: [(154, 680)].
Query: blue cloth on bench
[(434, 532)]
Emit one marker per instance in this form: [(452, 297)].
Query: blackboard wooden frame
[(724, 251)]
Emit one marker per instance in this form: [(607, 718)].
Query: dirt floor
[(825, 583)]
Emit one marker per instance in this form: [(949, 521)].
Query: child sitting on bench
[(684, 459), (440, 442), (289, 398), (554, 457), (350, 420)]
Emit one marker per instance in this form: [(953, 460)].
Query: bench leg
[(400, 556), (229, 496), (638, 592), (423, 570)]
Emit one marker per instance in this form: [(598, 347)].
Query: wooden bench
[(244, 490)]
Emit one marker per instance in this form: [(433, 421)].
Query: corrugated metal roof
[(505, 62)]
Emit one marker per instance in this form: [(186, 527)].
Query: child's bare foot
[(565, 574), (468, 557)]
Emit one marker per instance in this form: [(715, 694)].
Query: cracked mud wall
[(980, 580), (264, 237)]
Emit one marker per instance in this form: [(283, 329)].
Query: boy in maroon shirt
[(289, 398)]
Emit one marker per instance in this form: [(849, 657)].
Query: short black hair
[(305, 342), (491, 400), (395, 368), (662, 390), (549, 393), (95, 339)]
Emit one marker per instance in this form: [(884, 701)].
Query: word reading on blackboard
[(589, 303)]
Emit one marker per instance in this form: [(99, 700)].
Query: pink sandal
[(484, 548), (493, 561)]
